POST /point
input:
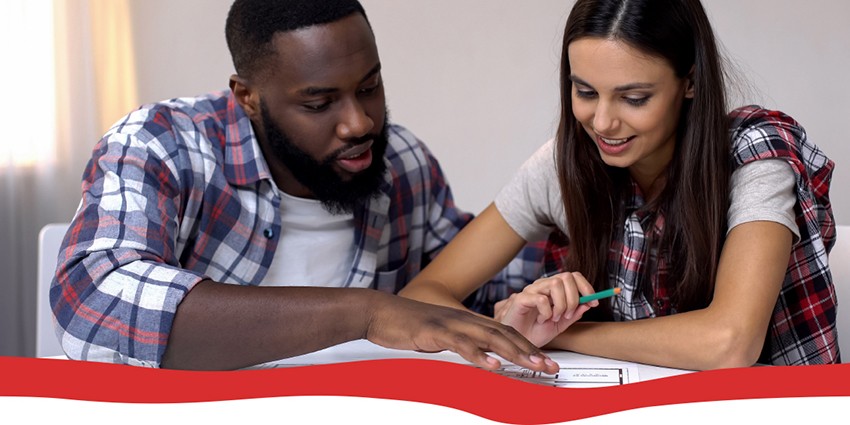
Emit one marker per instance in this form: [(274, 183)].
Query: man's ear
[(247, 97), (689, 81)]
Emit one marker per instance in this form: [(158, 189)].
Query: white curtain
[(68, 74)]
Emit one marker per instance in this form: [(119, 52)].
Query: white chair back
[(49, 241), (839, 265)]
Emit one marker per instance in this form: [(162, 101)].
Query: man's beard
[(337, 195)]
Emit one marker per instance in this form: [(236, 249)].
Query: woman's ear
[(247, 97), (689, 84)]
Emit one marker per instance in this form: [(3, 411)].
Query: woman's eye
[(585, 94), (637, 101)]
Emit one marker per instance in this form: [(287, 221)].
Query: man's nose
[(354, 121)]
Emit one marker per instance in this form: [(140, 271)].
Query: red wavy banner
[(457, 386)]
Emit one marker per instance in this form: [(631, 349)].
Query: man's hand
[(547, 307), (401, 323)]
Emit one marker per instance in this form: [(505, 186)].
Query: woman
[(721, 248)]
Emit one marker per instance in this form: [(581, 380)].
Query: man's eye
[(317, 107), (371, 85)]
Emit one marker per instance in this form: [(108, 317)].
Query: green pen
[(599, 295)]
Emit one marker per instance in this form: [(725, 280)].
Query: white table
[(365, 350)]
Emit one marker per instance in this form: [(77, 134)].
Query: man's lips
[(355, 150), (356, 159)]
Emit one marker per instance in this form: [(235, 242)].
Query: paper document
[(575, 376)]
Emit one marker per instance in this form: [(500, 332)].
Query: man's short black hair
[(251, 25)]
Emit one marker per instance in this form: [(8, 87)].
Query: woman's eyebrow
[(625, 87)]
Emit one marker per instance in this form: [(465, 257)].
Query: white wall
[(795, 53), (477, 79)]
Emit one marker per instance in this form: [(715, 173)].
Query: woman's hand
[(547, 307)]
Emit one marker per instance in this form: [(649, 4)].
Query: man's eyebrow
[(317, 91), (626, 87), (375, 69)]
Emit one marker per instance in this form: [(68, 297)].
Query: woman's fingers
[(553, 298), (584, 287)]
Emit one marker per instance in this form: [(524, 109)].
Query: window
[(28, 107)]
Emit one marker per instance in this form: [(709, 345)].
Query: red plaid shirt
[(802, 328)]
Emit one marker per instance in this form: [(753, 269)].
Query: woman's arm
[(485, 246), (730, 332)]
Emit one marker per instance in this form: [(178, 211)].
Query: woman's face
[(628, 102)]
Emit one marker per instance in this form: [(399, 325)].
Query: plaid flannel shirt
[(802, 327), (178, 192)]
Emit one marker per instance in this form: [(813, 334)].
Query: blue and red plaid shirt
[(178, 192), (802, 328)]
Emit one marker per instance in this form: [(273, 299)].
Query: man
[(207, 224)]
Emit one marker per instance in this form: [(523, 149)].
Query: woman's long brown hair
[(695, 199)]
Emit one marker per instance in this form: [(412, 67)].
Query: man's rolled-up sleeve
[(118, 281)]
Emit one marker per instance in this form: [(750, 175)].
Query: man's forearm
[(220, 326)]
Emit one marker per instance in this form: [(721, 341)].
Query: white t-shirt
[(531, 202), (316, 248)]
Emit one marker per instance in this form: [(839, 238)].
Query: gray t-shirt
[(531, 201)]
